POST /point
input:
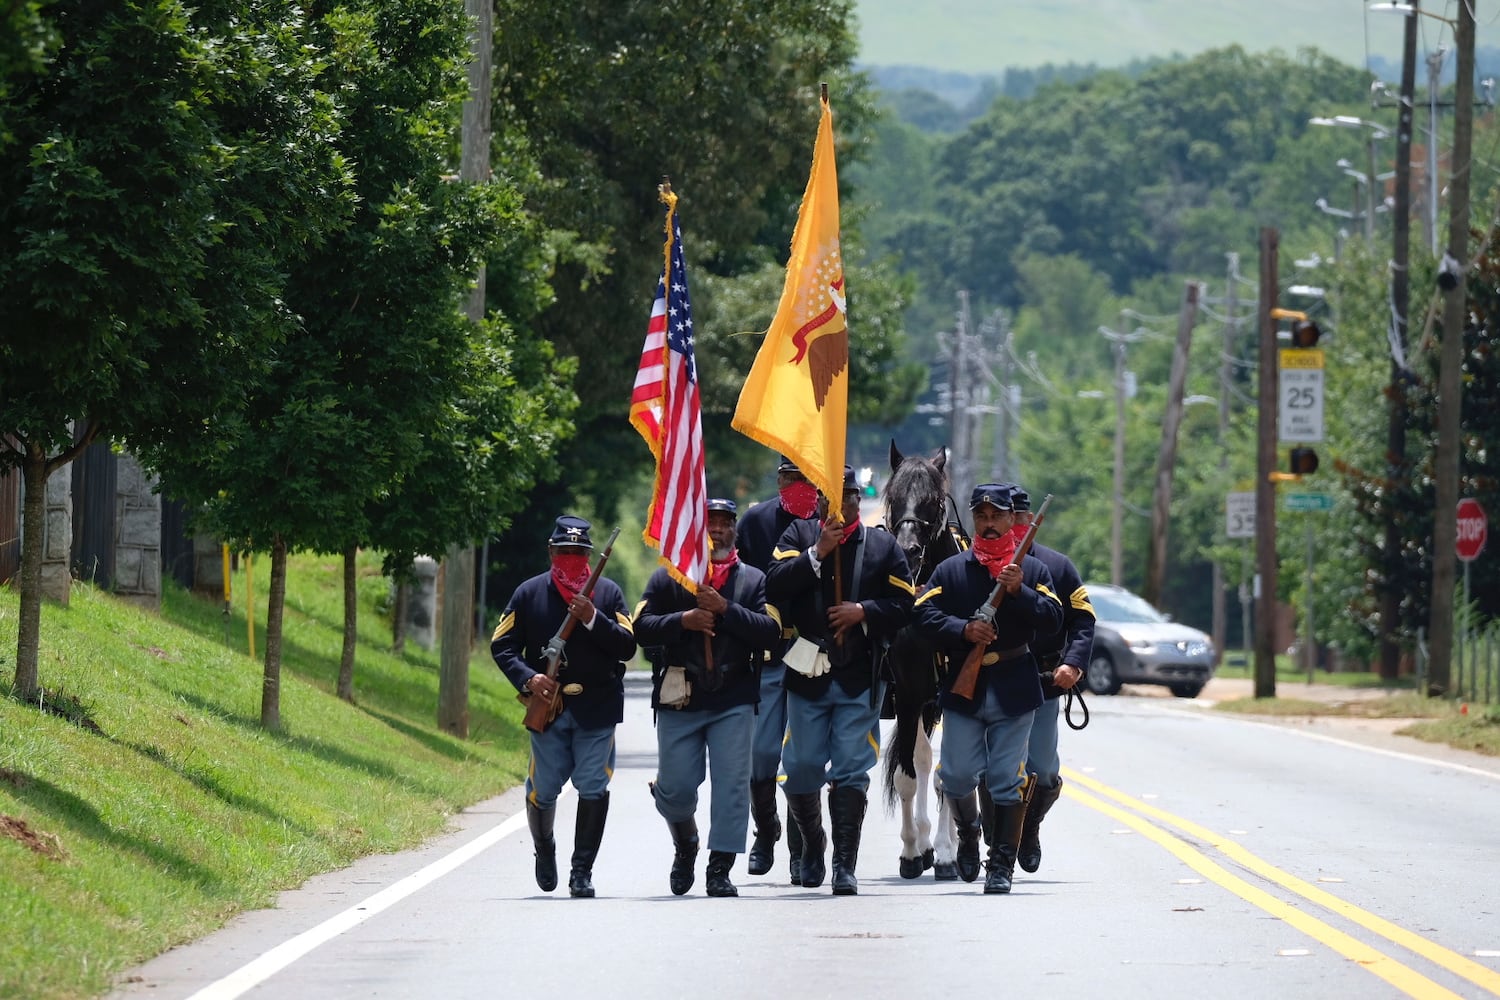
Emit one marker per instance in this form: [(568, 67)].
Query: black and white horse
[(917, 505)]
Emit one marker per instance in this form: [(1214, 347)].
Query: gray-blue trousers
[(1041, 751), (567, 751), (990, 743), (683, 741), (770, 724), (832, 739)]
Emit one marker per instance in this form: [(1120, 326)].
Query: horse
[(917, 503)]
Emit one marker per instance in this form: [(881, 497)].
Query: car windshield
[(1122, 606)]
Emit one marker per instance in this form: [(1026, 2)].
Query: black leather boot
[(966, 818), (793, 846), (1009, 818), (1042, 800), (544, 844), (684, 854), (807, 812), (716, 879), (586, 837), (986, 814), (767, 825), (846, 812)]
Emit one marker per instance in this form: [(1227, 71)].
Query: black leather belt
[(1011, 654)]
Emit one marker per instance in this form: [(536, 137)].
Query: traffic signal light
[(1302, 461), (1305, 334)]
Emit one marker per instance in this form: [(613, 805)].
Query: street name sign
[(1309, 501), (1300, 415)]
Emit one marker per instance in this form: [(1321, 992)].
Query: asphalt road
[(1193, 854)]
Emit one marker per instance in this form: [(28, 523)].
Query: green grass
[(152, 807)]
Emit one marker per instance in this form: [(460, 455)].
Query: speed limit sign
[(1239, 515)]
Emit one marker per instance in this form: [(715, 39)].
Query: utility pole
[(1450, 375), (458, 562), (1004, 424), (1265, 464), (958, 417), (1390, 594), (1117, 521), (1435, 60), (1228, 352), (1166, 460)]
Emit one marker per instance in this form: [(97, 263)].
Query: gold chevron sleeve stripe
[(1045, 592), (636, 614), (780, 554), (897, 581), (1080, 601), (625, 622), (506, 624), (928, 595), (775, 614)]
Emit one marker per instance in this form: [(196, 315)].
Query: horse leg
[(945, 846), (922, 759)]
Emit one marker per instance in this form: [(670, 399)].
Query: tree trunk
[(351, 618), (457, 641), (33, 539), (270, 692), (398, 617)]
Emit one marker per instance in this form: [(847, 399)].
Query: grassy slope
[(986, 37), (180, 810)]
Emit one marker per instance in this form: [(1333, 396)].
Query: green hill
[(147, 806), (988, 37)]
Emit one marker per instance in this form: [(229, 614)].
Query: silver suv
[(1136, 644)]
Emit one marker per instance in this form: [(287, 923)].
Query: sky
[(988, 36)]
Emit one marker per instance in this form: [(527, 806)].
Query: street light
[(1377, 132)]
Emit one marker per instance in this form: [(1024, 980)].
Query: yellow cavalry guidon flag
[(796, 398)]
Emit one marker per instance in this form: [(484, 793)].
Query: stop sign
[(1473, 529)]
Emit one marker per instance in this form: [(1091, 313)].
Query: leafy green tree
[(161, 171), (723, 100), (382, 385)]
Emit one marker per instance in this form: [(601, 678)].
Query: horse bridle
[(926, 531)]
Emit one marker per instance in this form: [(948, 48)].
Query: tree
[(156, 172), (340, 420), (722, 99)]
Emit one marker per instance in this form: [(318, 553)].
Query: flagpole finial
[(823, 91)]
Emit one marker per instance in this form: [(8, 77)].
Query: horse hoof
[(911, 868), (928, 859), (945, 871)]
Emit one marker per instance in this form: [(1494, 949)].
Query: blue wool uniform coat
[(884, 588), (957, 588), (741, 635), (593, 657), (1073, 644)]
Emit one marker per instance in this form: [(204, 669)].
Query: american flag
[(665, 409)]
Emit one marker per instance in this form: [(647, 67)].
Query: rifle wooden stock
[(968, 675), (541, 712)]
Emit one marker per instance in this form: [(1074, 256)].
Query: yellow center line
[(1455, 963), (1405, 979)]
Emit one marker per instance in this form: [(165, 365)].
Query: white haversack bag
[(807, 658), (676, 689)]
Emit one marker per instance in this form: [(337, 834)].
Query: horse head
[(916, 503)]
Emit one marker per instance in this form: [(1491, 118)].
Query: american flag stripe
[(665, 408)]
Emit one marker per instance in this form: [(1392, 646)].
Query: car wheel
[(1185, 690), (1101, 677)]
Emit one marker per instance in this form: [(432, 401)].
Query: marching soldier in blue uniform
[(1065, 654), (987, 736), (756, 538), (704, 691), (847, 590), (580, 744)]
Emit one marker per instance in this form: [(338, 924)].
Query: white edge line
[(252, 974), (1414, 758)]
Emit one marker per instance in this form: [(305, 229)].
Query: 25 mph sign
[(1473, 530)]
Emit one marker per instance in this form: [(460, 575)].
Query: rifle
[(541, 712), (968, 674)]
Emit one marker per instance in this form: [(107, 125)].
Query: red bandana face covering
[(1019, 532), (800, 499), (570, 571), (720, 570), (994, 553)]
